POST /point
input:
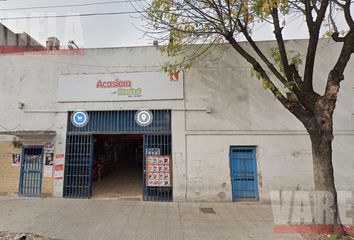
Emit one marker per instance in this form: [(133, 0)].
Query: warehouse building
[(107, 123)]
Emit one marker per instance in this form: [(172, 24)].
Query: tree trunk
[(326, 206), (320, 129)]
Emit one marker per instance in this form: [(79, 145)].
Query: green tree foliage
[(180, 23)]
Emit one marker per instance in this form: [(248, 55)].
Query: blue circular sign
[(79, 118)]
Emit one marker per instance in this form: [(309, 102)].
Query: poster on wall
[(49, 154), (48, 171), (59, 166), (59, 159), (16, 159), (49, 159), (59, 172), (49, 147), (158, 171)]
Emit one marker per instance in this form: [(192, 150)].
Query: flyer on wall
[(16, 159), (158, 171)]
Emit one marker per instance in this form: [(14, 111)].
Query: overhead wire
[(69, 5), (71, 15)]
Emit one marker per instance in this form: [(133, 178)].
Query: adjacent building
[(11, 42)]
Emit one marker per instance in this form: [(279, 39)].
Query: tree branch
[(291, 104), (305, 99), (308, 14), (314, 31), (336, 75), (280, 42), (260, 53), (347, 14)]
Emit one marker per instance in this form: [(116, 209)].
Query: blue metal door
[(78, 166), (244, 173), (31, 172)]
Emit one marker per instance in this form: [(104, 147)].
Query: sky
[(100, 31), (95, 31)]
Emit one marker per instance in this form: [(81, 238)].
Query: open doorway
[(118, 166)]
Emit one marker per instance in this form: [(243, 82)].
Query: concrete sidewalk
[(110, 219)]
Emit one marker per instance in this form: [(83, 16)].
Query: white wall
[(283, 163), (243, 113)]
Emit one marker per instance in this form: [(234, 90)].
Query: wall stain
[(222, 195)]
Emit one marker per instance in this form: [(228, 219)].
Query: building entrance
[(113, 156), (118, 166)]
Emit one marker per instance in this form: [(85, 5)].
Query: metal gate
[(244, 173), (78, 166), (31, 172), (157, 181), (79, 149)]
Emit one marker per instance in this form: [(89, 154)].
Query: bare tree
[(206, 22)]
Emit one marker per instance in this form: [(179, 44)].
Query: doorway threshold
[(120, 198)]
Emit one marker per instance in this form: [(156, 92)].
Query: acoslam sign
[(119, 87)]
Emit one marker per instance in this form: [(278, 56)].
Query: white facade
[(222, 107)]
